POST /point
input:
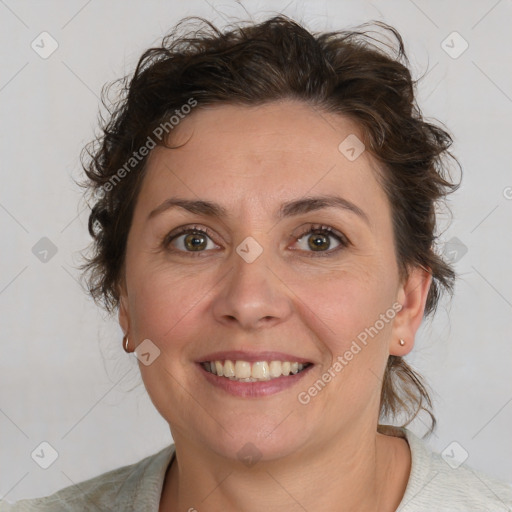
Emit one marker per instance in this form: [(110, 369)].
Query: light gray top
[(434, 485)]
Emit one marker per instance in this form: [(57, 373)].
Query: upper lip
[(251, 357)]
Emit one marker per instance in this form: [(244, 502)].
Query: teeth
[(260, 370), (229, 369), (275, 369), (244, 371)]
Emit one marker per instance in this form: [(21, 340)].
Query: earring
[(125, 343), (401, 342)]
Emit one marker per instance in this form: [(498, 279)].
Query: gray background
[(64, 377)]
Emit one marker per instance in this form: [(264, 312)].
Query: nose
[(252, 296)]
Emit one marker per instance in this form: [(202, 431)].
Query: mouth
[(256, 371)]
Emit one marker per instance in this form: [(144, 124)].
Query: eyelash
[(324, 230), (313, 229)]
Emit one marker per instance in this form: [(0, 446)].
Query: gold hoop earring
[(125, 343)]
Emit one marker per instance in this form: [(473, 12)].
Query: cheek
[(357, 308), (166, 309), (162, 303), (353, 340), (348, 302)]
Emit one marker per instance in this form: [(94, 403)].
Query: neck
[(367, 472)]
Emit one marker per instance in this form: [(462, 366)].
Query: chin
[(255, 439)]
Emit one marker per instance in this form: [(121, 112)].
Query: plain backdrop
[(64, 377)]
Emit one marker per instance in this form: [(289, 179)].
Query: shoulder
[(445, 485), (119, 489)]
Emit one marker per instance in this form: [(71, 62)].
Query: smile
[(245, 371)]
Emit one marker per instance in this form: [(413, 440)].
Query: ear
[(124, 315), (412, 295)]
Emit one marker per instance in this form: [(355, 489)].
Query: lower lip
[(253, 389)]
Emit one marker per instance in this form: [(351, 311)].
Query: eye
[(190, 239), (194, 239), (319, 239)]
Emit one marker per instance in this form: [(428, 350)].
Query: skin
[(291, 299)]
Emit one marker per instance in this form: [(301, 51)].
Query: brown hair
[(347, 72)]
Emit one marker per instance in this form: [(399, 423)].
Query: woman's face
[(262, 280)]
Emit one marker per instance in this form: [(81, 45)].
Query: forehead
[(270, 153), (282, 128)]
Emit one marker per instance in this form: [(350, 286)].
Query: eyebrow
[(289, 209)]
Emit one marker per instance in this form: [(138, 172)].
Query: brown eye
[(319, 242), (195, 242), (190, 240), (321, 239)]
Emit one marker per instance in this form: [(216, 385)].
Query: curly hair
[(347, 72)]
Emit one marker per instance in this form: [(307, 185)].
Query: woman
[(263, 224)]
